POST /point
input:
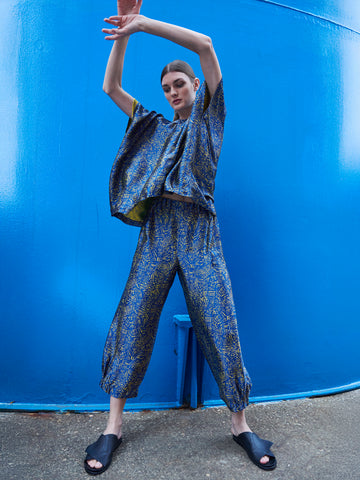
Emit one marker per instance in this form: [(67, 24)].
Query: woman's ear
[(196, 84)]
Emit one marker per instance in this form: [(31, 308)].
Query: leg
[(132, 333), (115, 416), (258, 450), (208, 293), (114, 424), (207, 288)]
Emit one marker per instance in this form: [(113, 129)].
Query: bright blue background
[(288, 192)]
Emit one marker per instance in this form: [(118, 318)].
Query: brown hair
[(178, 66)]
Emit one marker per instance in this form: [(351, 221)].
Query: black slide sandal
[(256, 448), (101, 451)]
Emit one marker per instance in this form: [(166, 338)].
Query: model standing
[(163, 181)]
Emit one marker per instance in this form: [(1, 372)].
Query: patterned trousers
[(181, 238)]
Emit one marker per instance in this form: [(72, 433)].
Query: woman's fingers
[(113, 37), (113, 20), (111, 32), (114, 33)]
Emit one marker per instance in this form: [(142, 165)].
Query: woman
[(163, 180)]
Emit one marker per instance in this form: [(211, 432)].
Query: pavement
[(314, 439)]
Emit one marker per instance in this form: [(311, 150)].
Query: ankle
[(113, 428), (239, 423)]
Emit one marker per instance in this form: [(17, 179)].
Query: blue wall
[(288, 193)]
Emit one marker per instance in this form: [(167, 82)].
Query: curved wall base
[(136, 407)]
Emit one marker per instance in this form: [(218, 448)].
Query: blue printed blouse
[(158, 155)]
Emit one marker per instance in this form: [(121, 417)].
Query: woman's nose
[(173, 92)]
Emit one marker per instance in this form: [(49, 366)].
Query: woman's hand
[(128, 7), (126, 20), (126, 25)]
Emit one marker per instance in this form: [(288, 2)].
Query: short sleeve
[(136, 160), (141, 115), (215, 108), (214, 118)]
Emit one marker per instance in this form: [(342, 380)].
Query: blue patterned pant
[(181, 238)]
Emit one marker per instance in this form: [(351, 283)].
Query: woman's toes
[(264, 460), (94, 464)]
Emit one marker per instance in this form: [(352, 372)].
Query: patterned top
[(158, 155)]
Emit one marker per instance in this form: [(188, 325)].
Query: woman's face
[(180, 92)]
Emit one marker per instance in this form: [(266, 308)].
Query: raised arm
[(128, 10), (194, 41), (113, 77)]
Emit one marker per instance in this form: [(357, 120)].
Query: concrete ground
[(314, 439)]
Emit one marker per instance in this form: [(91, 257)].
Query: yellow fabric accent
[(133, 107), (132, 113), (138, 213)]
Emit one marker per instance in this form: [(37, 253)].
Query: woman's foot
[(239, 425), (110, 429), (113, 426)]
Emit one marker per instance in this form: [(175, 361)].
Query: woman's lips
[(178, 100)]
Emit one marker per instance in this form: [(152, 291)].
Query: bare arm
[(113, 76), (127, 9), (194, 41)]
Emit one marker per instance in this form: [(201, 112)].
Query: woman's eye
[(179, 85)]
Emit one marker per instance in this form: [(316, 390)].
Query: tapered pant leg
[(208, 293), (132, 333)]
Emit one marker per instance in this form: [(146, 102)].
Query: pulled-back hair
[(178, 66)]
